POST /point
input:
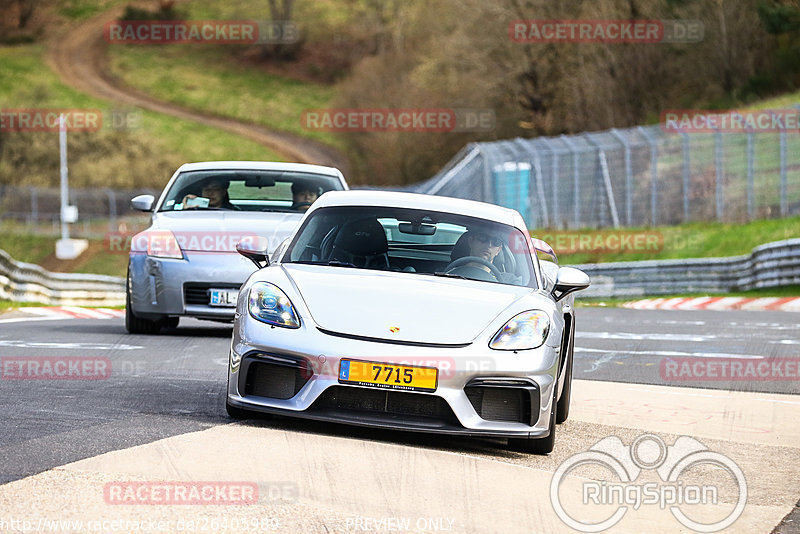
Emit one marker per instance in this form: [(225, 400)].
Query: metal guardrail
[(770, 265), (26, 282)]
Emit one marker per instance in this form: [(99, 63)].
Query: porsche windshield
[(414, 241), (247, 190)]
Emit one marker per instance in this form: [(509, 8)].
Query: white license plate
[(223, 297)]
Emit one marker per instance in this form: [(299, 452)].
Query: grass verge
[(204, 78), (144, 155), (694, 240)]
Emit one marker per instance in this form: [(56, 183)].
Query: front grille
[(197, 292), (275, 381), (393, 404), (501, 403)]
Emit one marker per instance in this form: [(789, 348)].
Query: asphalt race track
[(156, 413)]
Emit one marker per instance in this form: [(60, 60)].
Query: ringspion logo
[(598, 505)]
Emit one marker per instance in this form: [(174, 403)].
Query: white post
[(62, 141), (66, 248)]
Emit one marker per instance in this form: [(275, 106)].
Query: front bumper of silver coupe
[(480, 391), (180, 287)]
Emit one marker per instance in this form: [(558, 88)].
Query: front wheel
[(562, 411), (137, 325)]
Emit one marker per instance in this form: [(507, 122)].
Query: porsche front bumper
[(480, 391)]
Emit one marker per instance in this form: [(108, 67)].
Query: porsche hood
[(400, 307)]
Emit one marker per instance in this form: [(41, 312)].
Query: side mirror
[(143, 202), (254, 248), (569, 280)]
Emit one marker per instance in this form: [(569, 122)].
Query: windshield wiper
[(337, 263), (451, 275), (331, 263)]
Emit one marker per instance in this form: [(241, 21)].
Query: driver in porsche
[(483, 245)]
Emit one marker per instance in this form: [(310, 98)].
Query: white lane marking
[(31, 319), (630, 336), (761, 326), (642, 337), (672, 353), (19, 343)]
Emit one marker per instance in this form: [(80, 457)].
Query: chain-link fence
[(39, 209), (644, 176)]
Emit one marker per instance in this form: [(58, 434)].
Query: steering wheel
[(460, 262), (297, 205)]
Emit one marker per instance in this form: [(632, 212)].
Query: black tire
[(237, 413), (538, 445), (562, 410), (133, 324)]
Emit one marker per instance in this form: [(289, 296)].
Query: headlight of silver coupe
[(270, 305), (527, 330)]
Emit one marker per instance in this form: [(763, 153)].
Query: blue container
[(512, 186)]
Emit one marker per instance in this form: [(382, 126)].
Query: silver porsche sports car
[(407, 311), (185, 263)]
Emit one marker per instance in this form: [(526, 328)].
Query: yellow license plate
[(387, 375)]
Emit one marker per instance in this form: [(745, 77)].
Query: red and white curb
[(718, 303), (74, 312)]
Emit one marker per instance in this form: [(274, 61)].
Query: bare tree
[(26, 9), (281, 11)]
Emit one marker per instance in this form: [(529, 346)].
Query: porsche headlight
[(527, 330), (270, 305)]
